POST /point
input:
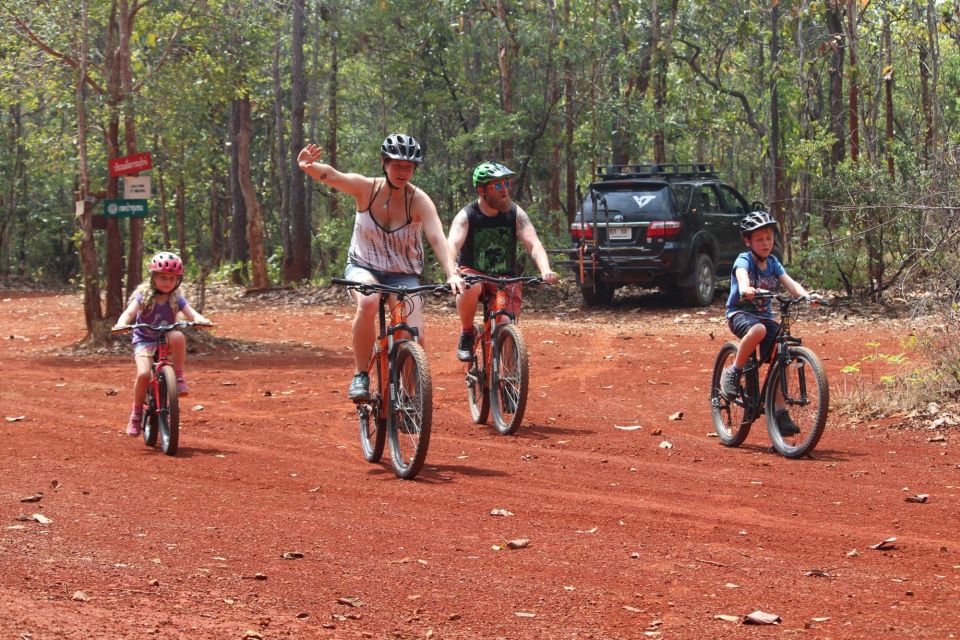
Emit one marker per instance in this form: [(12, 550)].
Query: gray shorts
[(363, 274)]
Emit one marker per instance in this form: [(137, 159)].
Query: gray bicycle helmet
[(756, 220), (398, 146)]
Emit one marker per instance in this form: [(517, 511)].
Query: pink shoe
[(182, 388), (133, 429)]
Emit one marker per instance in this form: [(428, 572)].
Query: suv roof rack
[(672, 170)]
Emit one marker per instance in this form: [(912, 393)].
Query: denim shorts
[(740, 324), (363, 274)]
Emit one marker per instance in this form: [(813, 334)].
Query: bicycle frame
[(390, 336), (753, 402)]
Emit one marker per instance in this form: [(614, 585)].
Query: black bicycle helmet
[(398, 146), (756, 220)]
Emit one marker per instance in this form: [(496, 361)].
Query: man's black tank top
[(491, 244)]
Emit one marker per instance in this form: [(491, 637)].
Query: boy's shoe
[(785, 424), (465, 346), (182, 388), (359, 390), (133, 428), (729, 382)]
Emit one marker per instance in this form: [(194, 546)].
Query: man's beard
[(494, 202)]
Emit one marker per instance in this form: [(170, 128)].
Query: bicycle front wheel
[(149, 422), (477, 391), (373, 428), (730, 418), (410, 410), (169, 412), (797, 402), (510, 373)]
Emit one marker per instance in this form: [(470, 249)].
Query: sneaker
[(785, 424), (183, 389), (465, 347), (729, 383), (359, 390), (133, 428)]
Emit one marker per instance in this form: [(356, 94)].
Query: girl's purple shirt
[(159, 313)]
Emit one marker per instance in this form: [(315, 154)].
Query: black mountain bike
[(794, 397)]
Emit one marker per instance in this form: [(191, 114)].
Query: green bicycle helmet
[(487, 171)]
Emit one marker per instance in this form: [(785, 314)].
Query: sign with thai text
[(130, 164), (125, 208)]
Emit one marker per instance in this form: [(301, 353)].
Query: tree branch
[(27, 34), (717, 85)]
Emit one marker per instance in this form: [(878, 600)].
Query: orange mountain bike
[(498, 376), (401, 393)]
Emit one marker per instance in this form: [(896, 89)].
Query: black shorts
[(740, 323)]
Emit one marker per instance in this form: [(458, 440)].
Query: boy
[(752, 320)]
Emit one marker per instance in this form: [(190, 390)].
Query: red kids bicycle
[(498, 375), (161, 405)]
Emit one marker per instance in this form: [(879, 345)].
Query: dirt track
[(627, 539)]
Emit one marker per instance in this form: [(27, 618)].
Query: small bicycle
[(498, 375), (795, 397), (401, 393), (161, 405)]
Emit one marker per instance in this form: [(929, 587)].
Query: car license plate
[(618, 233)]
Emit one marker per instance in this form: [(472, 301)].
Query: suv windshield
[(646, 202)]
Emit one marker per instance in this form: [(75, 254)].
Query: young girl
[(156, 301)]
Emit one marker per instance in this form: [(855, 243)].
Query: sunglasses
[(499, 185)]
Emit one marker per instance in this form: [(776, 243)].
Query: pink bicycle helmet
[(166, 262)]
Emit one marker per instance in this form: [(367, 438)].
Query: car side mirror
[(756, 205)]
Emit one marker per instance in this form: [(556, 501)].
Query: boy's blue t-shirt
[(768, 278)]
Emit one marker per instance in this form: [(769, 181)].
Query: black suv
[(672, 226)]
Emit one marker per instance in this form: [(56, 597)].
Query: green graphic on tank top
[(492, 250)]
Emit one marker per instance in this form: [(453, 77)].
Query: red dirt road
[(627, 539)]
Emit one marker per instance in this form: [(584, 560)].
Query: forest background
[(841, 115)]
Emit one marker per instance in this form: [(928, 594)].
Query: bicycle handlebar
[(481, 277), (367, 288), (790, 300), (162, 328)]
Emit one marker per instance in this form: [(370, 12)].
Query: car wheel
[(704, 285)]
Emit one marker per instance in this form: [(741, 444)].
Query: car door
[(735, 208), (715, 221)]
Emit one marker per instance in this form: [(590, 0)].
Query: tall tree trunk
[(506, 50), (92, 310), (301, 265), (115, 301), (333, 103), (258, 263), (568, 119), (281, 150), (854, 88), (135, 245), (621, 133), (238, 209), (180, 211), (888, 88), (834, 11), (774, 143), (216, 229)]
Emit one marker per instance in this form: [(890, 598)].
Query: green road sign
[(125, 208)]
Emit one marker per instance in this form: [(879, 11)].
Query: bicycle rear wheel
[(477, 391), (373, 428), (730, 418), (168, 415), (411, 410), (509, 379), (797, 402), (149, 421)]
